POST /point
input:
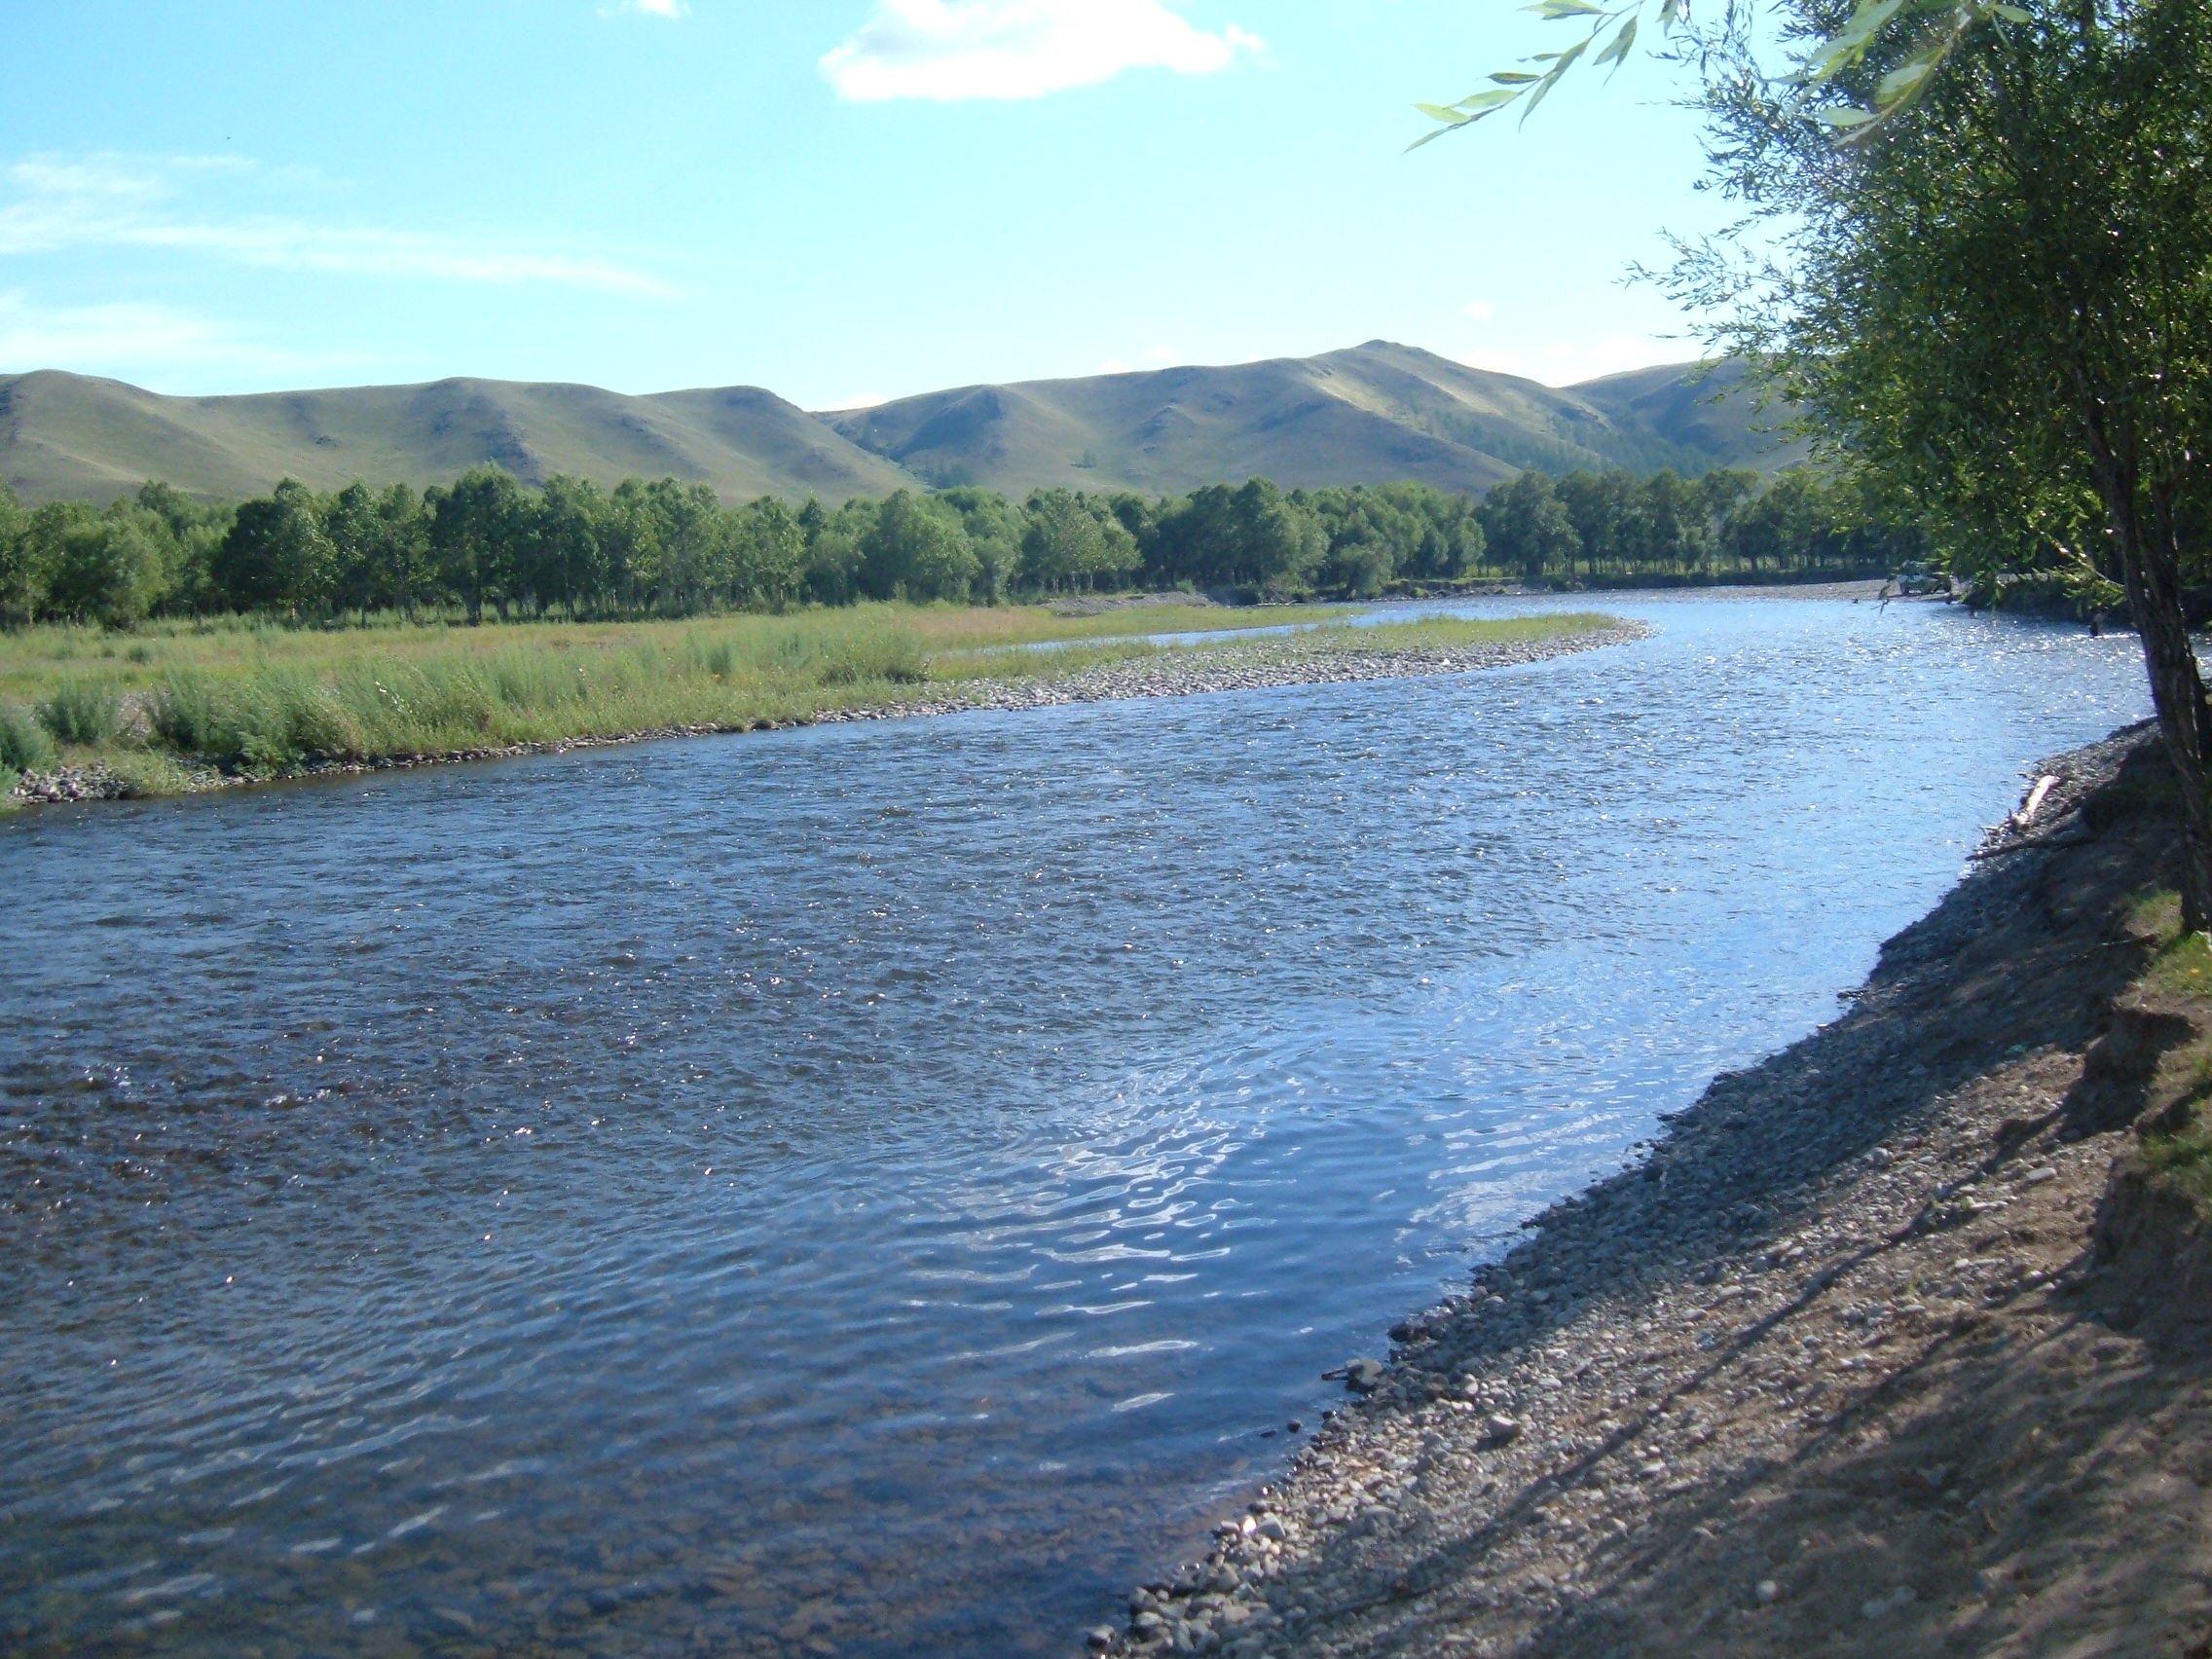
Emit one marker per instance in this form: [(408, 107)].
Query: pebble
[(1881, 1607), (1768, 1592)]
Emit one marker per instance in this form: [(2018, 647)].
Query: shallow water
[(882, 1188)]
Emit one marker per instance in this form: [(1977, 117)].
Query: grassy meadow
[(155, 705)]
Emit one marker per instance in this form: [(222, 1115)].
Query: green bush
[(894, 655), (263, 721), (25, 746), (83, 710), (143, 773)]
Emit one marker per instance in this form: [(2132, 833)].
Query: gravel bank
[(1251, 664), (1233, 665), (1870, 1354)]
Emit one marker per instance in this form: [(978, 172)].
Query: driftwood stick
[(2035, 797)]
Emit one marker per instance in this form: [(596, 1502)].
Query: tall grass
[(34, 660), (83, 710), (1447, 633), (261, 700), (367, 705), (25, 744)]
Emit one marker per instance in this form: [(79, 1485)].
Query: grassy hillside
[(63, 435), (1713, 416), (1371, 414)]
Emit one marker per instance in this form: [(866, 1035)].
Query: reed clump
[(25, 744), (83, 710)]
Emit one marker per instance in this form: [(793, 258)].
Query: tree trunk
[(2151, 564)]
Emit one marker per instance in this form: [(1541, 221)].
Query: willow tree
[(2002, 304)]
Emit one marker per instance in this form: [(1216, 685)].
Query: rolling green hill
[(1711, 415), (64, 435), (1367, 414), (1371, 414)]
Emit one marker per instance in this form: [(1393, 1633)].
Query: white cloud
[(949, 49), (132, 340), (647, 9), (140, 201)]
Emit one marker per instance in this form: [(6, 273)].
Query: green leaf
[(1544, 87), (1437, 112), (1870, 16), (1616, 51), (1482, 103), (1848, 43), (1556, 9), (1514, 77), (1842, 115), (1899, 82), (2014, 15)]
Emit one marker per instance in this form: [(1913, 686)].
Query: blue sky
[(842, 200)]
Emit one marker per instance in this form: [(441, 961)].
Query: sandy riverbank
[(1234, 663), (1893, 1344)]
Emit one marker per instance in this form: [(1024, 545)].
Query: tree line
[(489, 544)]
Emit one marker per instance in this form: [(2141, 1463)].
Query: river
[(880, 1189)]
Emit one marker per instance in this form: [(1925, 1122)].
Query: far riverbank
[(951, 682)]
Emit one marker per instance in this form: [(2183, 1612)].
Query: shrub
[(263, 721), (83, 710), (141, 773), (892, 655), (25, 746)]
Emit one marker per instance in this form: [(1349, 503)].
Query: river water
[(880, 1189)]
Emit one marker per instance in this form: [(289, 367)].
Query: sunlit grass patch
[(263, 701), (33, 661), (2184, 1156), (2182, 963), (951, 628), (1448, 633), (260, 700), (1057, 662)]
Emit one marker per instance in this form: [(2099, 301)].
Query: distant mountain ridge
[(1371, 414), (64, 435)]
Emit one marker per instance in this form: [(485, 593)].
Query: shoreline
[(1234, 663), (1879, 1345)]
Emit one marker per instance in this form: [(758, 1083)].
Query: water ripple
[(877, 1186)]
